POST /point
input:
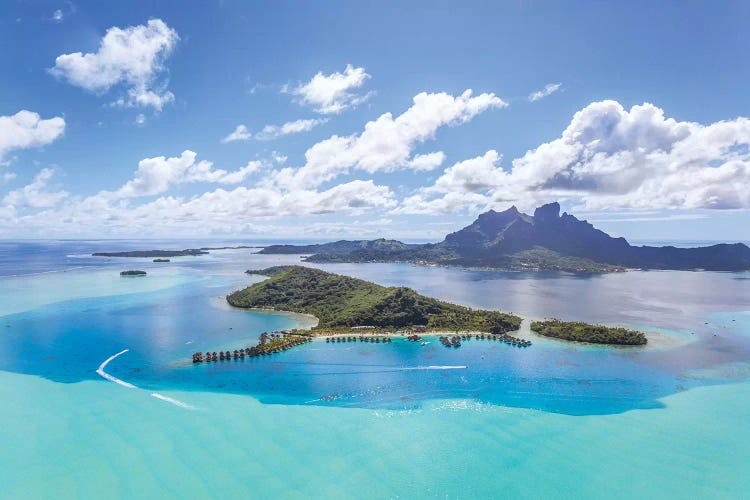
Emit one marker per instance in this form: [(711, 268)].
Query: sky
[(328, 120)]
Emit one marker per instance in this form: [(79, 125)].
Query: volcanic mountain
[(546, 241)]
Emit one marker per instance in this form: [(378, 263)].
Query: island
[(133, 273), (584, 332), (188, 252), (162, 260), (353, 310), (514, 241), (342, 303)]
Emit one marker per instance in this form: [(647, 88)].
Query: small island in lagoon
[(585, 332), (188, 252), (162, 260), (351, 310), (153, 253), (133, 273)]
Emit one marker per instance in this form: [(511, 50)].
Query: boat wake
[(109, 377), (174, 401), (435, 367), (116, 380)]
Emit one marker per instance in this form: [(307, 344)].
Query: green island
[(353, 310), (584, 332), (133, 273), (188, 252), (341, 303)]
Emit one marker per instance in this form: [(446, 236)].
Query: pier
[(359, 338), (269, 343), (277, 342), (455, 340)]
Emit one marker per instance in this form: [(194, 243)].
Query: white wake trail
[(435, 367), (116, 380), (109, 377), (172, 400)]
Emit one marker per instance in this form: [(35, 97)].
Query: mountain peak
[(491, 213), (548, 212)]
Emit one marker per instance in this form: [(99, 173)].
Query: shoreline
[(307, 323), (220, 302)]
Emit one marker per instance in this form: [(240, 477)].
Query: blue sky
[(357, 121)]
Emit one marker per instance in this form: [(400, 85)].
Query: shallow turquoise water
[(323, 420), (95, 438)]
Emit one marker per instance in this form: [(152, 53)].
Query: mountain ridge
[(547, 240)]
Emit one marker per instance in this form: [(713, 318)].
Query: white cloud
[(332, 94), (240, 133), (36, 195), (278, 157), (663, 218), (610, 158), (244, 203), (216, 212), (156, 175), (425, 162), (57, 16), (548, 89), (8, 176), (133, 56), (448, 203), (26, 129), (386, 144), (140, 119), (273, 131)]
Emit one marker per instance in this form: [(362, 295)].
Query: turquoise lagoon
[(381, 421)]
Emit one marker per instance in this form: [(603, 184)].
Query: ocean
[(101, 397)]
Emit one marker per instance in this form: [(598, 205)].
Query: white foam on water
[(116, 380), (109, 377), (435, 367), (172, 400)]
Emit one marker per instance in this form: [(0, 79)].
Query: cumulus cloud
[(132, 57), (219, 211), (36, 194), (548, 89), (156, 175), (58, 16), (610, 158), (332, 94), (273, 131), (662, 218), (387, 143), (279, 158), (27, 129), (425, 162), (240, 133)]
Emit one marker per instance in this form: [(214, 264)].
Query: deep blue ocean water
[(66, 340)]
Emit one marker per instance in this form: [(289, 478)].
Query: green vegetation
[(534, 259), (339, 247), (583, 332), (133, 273), (514, 241), (340, 301), (188, 252), (153, 253), (540, 258)]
